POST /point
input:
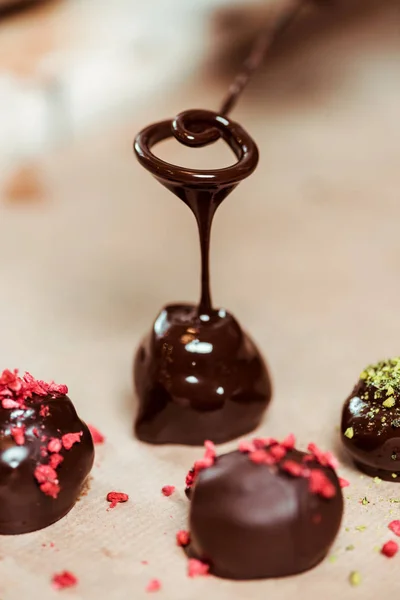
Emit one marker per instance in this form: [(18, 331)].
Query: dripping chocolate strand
[(264, 42)]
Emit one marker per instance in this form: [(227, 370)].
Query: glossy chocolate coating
[(375, 443), (23, 506), (251, 521), (197, 374), (198, 377)]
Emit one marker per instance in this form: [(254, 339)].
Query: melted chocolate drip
[(251, 521), (24, 507), (371, 432), (197, 374)]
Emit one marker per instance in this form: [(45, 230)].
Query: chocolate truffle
[(46, 453), (267, 510), (370, 427), (198, 377)]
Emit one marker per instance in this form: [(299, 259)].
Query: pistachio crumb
[(364, 501), (355, 578), (394, 475), (349, 433), (350, 547), (377, 480), (360, 527), (333, 558)]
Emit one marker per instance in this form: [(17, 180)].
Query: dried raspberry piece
[(69, 439), (116, 497), (203, 463), (43, 452), (183, 538), (326, 459), (210, 452), (261, 457), (277, 452), (343, 482), (320, 484), (62, 580), (262, 443), (293, 468), (44, 411), (197, 568), (395, 527), (245, 446), (289, 442), (9, 404), (35, 432), (190, 478), (154, 585), (55, 460), (390, 549), (54, 445), (46, 476), (98, 438), (56, 388), (168, 490), (18, 434)]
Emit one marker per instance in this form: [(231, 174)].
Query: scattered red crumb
[(62, 580), (144, 562), (390, 548), (44, 411), (395, 527), (43, 438), (343, 482), (47, 478), (197, 568), (204, 463), (183, 538), (69, 439), (189, 480), (210, 451), (277, 451), (35, 432), (55, 460), (116, 497), (54, 445), (98, 438), (262, 443), (10, 404), (245, 446), (43, 452), (18, 434), (294, 468), (168, 490), (289, 442), (154, 585), (320, 484), (14, 390)]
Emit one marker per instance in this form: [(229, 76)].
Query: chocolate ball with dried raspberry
[(46, 453)]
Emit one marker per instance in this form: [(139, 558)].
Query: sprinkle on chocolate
[(183, 538), (116, 497), (383, 377), (44, 411), (320, 484), (343, 482), (69, 439), (394, 526), (63, 580), (204, 463), (349, 433), (54, 445), (390, 549), (98, 438), (197, 568), (18, 434), (168, 490), (46, 476), (154, 585)]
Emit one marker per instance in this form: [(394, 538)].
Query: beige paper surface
[(306, 254)]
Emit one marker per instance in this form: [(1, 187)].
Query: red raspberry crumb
[(168, 490), (289, 442), (54, 445), (190, 478), (18, 434), (261, 457), (395, 527), (8, 403), (321, 485), (277, 451), (64, 580), (197, 568), (43, 452), (245, 446), (210, 451), (56, 388), (154, 585), (116, 497), (69, 439), (98, 438), (262, 443), (183, 538), (343, 482), (293, 468), (47, 478), (326, 459), (55, 460), (44, 411), (390, 548)]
